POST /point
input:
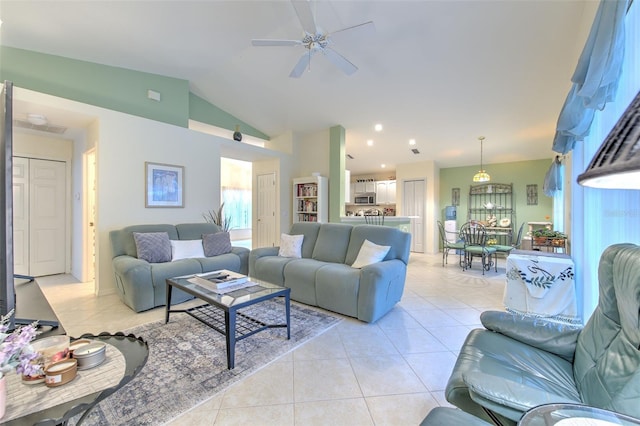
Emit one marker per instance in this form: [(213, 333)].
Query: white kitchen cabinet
[(386, 192), (365, 187)]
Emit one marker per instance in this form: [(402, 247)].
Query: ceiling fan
[(315, 41)]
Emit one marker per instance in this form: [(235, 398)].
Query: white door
[(266, 211), (21, 215), (47, 210), (90, 186), (413, 205)]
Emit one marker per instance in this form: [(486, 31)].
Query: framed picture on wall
[(455, 196), (164, 185), (532, 195)]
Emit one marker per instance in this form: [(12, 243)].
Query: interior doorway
[(40, 216), (266, 210)]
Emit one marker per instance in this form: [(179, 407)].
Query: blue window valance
[(595, 79)]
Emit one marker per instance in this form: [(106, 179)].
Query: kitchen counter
[(401, 222)]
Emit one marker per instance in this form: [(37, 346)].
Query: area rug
[(188, 364)]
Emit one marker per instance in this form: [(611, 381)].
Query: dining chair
[(514, 244), (474, 236), (374, 219), (448, 245)]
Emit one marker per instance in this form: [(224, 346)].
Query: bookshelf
[(310, 199)]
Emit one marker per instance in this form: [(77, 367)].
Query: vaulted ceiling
[(440, 72)]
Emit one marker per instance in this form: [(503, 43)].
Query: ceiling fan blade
[(302, 65), (272, 42), (365, 26), (339, 61), (305, 15)]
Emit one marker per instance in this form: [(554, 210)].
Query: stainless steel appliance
[(365, 198)]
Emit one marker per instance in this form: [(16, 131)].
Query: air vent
[(350, 157), (49, 128), (415, 150)]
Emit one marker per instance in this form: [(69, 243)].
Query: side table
[(135, 351)]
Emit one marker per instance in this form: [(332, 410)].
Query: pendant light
[(481, 176)]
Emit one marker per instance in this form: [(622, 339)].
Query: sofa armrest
[(381, 287), (257, 253), (508, 398), (133, 282), (243, 254), (559, 339)]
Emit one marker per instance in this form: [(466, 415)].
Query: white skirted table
[(541, 284)]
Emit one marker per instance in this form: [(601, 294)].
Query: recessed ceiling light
[(370, 142), (37, 119), (412, 141), (378, 127), (383, 165)]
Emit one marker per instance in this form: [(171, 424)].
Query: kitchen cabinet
[(368, 186), (386, 192), (311, 199)]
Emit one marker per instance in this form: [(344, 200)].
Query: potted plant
[(544, 236), (218, 217)]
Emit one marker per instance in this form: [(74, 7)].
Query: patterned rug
[(187, 363)]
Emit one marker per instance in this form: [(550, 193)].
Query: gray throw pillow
[(154, 247), (216, 244)]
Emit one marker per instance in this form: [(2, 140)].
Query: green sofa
[(323, 275), (142, 285)]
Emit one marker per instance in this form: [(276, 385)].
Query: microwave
[(365, 199)]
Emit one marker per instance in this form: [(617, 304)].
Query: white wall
[(123, 144), (312, 152)]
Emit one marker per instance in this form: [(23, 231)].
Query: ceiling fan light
[(37, 119)]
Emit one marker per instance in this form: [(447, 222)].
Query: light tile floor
[(392, 372)]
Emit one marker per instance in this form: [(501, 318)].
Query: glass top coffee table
[(228, 313)]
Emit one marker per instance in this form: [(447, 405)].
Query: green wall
[(520, 174), (114, 88)]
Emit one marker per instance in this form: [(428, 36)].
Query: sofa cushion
[(194, 231), (290, 245), (216, 244), (399, 241), (300, 276), (186, 249), (229, 261), (370, 253), (332, 243), (271, 268), (154, 247), (310, 231), (337, 288)]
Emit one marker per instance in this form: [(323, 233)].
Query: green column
[(336, 173)]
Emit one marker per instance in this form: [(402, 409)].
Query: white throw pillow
[(186, 249), (290, 245), (370, 253)]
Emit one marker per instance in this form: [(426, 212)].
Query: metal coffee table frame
[(222, 311)]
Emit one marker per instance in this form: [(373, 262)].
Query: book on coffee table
[(220, 280)]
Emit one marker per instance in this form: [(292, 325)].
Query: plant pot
[(540, 241), (558, 242)]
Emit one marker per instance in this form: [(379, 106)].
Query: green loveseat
[(323, 275), (142, 285)]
